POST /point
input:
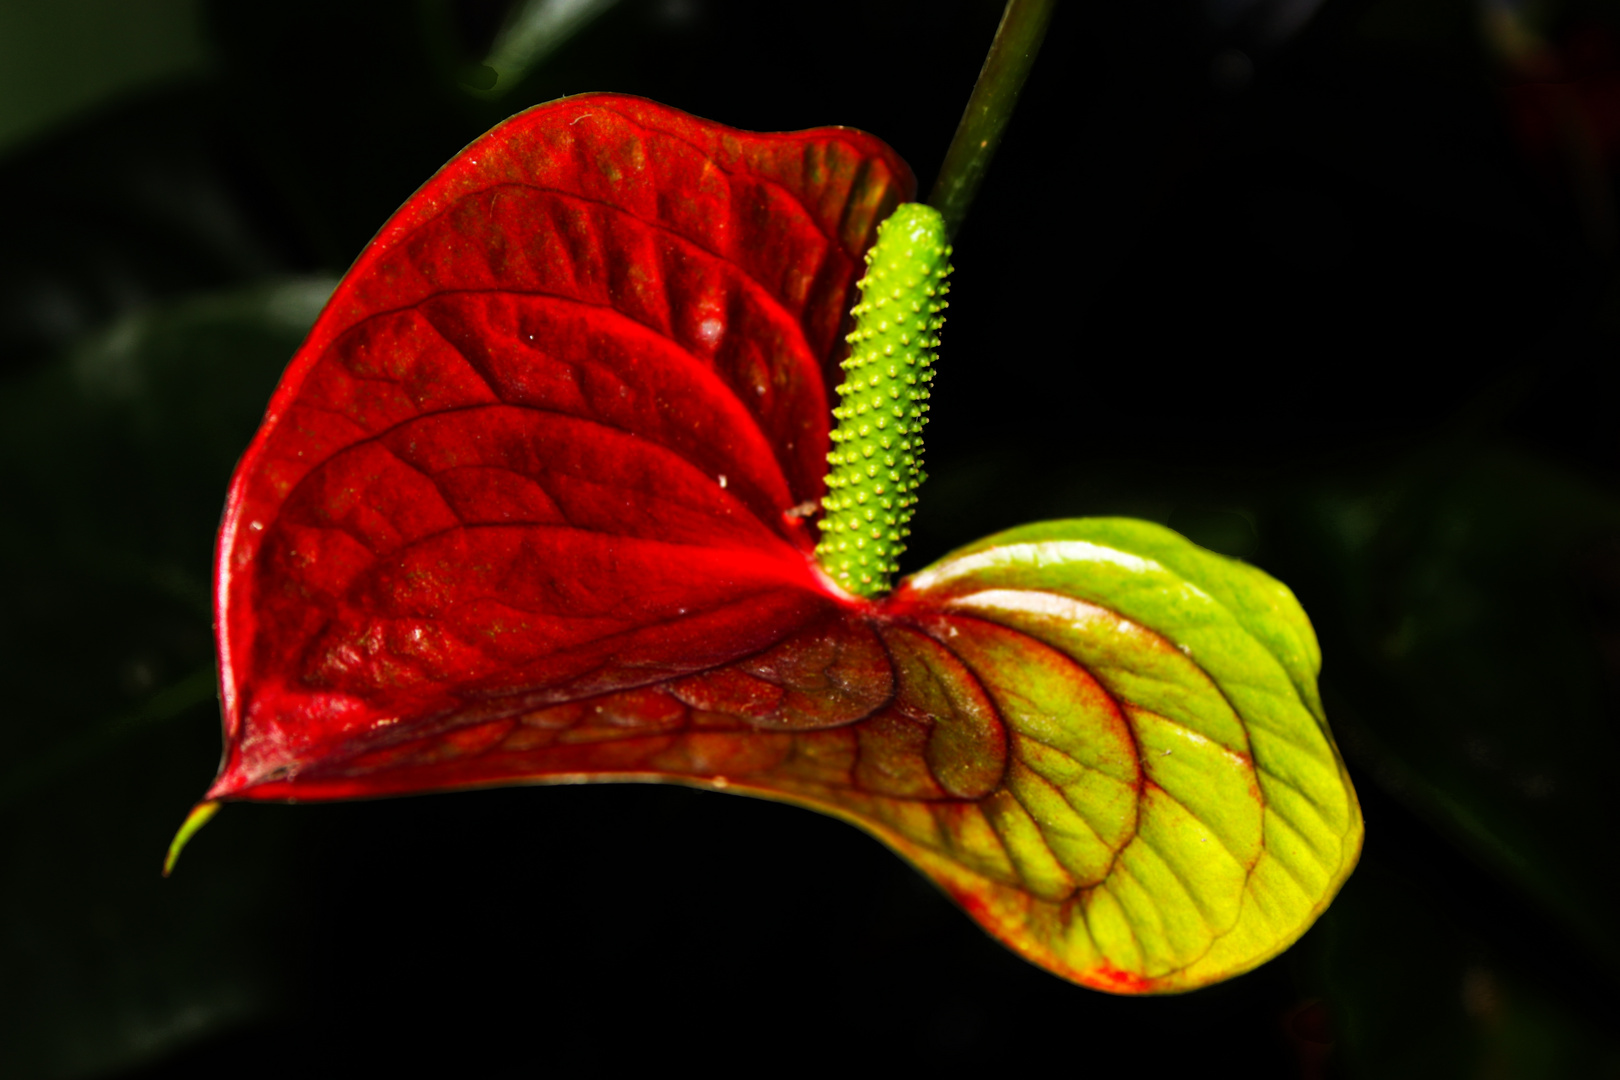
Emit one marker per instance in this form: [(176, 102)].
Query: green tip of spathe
[(877, 456), (199, 816)]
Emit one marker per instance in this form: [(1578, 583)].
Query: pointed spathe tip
[(199, 816)]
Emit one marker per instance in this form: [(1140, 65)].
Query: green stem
[(1012, 54)]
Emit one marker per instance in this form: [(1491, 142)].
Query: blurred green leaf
[(115, 461), (1412, 994), (534, 29), (136, 206), (1469, 607), (61, 57)]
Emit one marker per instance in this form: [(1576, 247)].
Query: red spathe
[(554, 438)]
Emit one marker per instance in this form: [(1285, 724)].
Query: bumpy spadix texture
[(877, 446), (531, 503)]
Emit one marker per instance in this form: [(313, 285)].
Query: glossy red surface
[(556, 437)]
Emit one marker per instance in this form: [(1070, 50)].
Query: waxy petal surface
[(554, 435), (1240, 822), (530, 506)]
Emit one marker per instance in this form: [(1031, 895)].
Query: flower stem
[(1012, 54)]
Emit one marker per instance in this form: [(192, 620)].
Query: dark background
[(1330, 287)]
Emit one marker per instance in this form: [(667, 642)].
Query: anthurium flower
[(536, 502)]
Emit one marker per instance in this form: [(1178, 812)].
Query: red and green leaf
[(532, 504)]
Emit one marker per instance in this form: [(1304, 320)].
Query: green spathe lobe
[(877, 446), (1174, 811)]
